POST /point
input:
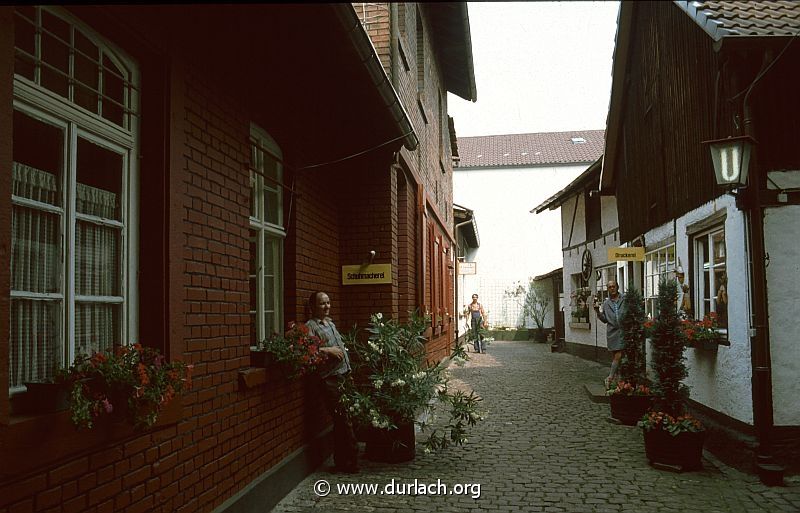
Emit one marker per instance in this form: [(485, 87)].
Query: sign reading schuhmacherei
[(634, 254), (369, 274)]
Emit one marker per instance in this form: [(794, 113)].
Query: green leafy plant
[(673, 425), (393, 383), (298, 351), (668, 364), (632, 369), (697, 332), (130, 382)]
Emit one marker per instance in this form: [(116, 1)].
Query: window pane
[(55, 68), (35, 250), (99, 181), (97, 326), (87, 74), (270, 169), (36, 346), (272, 207), (114, 92), (25, 40), (97, 260), (718, 240), (38, 160), (722, 298)]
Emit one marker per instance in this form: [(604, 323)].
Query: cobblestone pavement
[(544, 446)]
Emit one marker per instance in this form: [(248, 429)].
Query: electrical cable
[(765, 70), (358, 154)]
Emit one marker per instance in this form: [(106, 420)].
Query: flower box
[(42, 397), (684, 450), (628, 409), (261, 359)]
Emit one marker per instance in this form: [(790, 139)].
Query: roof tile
[(747, 18), (530, 149)]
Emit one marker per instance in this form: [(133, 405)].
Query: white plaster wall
[(719, 379), (572, 258), (514, 243), (782, 241)]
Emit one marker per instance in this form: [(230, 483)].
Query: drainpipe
[(369, 57), (770, 473)]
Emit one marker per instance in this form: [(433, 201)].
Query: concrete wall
[(781, 236), (514, 243), (719, 379)]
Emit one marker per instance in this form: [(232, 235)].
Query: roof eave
[(591, 174), (453, 45), (618, 86)]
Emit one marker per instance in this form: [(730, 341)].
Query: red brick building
[(186, 180)]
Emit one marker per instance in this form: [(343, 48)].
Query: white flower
[(378, 383), (379, 316), (398, 383), (374, 346), (419, 375), (427, 450)]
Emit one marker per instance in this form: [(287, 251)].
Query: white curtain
[(36, 341), (97, 252)]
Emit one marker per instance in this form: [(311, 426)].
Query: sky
[(539, 67)]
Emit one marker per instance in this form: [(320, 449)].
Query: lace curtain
[(37, 341)]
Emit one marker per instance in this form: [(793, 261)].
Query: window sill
[(252, 377), (580, 325), (25, 438)]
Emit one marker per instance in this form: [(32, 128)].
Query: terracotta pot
[(391, 445), (684, 450), (628, 409)]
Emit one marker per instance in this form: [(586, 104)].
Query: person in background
[(608, 313), (477, 319), (345, 450)]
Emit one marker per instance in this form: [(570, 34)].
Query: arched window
[(74, 195)]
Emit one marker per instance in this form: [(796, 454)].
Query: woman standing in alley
[(477, 319)]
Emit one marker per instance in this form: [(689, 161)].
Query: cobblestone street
[(544, 446)]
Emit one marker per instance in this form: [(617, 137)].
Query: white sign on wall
[(467, 268)]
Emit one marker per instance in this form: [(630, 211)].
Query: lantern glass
[(731, 158)]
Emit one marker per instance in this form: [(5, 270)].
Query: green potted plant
[(132, 383), (297, 352), (671, 435), (393, 387), (703, 334), (630, 397)]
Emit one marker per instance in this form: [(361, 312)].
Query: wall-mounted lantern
[(731, 158)]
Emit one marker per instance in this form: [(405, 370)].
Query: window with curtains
[(73, 198), (658, 264), (266, 236), (710, 275)]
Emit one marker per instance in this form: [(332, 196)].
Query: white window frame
[(602, 276), (707, 300), (50, 108), (658, 263), (262, 143)]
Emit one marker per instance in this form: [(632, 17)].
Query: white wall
[(719, 379), (782, 241), (572, 258), (514, 243)]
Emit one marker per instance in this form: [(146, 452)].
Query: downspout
[(369, 57), (768, 470)]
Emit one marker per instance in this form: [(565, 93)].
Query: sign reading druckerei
[(635, 254), (467, 268), (368, 274)]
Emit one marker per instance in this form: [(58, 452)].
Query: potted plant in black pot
[(671, 435), (630, 397), (393, 387)]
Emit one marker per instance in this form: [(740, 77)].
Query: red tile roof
[(530, 149), (724, 18)]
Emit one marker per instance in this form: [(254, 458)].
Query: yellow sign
[(635, 254), (367, 274), (467, 268)]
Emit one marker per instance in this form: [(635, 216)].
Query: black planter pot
[(628, 409), (44, 397), (391, 445), (260, 359), (684, 450)]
